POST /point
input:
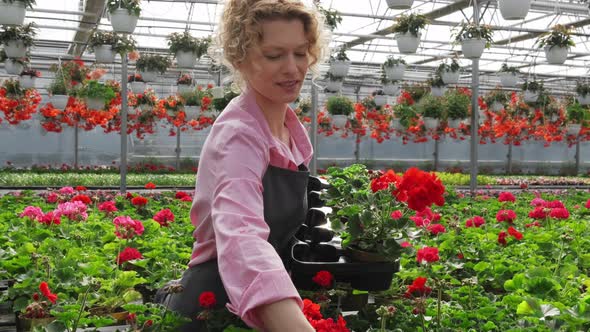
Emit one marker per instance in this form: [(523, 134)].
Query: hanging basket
[(122, 21), (12, 13), (334, 86), (217, 92), (12, 67), (514, 9), (184, 88), (149, 76), (192, 112), (584, 100), (59, 101), (104, 54), (473, 48), (396, 124), (430, 123), (15, 49), (508, 79), (407, 43), (380, 100), (556, 55), (391, 89), (339, 68), (395, 73), (573, 128), (186, 59), (438, 91), (497, 106), (450, 77), (27, 82), (137, 87), (94, 103), (400, 4), (454, 123), (339, 120), (530, 96)]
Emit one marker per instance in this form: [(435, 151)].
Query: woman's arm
[(284, 316)]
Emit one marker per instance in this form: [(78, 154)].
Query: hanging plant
[(16, 103), (474, 39), (339, 63), (583, 91), (437, 85), (185, 79), (133, 7), (449, 72), (508, 75), (13, 11), (124, 14), (532, 90), (394, 68), (496, 99), (17, 39), (332, 17), (430, 107), (94, 90), (556, 44), (407, 30), (27, 3), (457, 104), (577, 114), (183, 41), (156, 63)]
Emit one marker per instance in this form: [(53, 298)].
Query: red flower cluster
[(52, 198), (150, 185), (127, 228), (207, 300), (506, 215), (587, 206), (559, 213), (435, 229), (139, 201), (476, 221), (323, 278), (315, 318), (418, 288), (420, 189), (50, 218), (428, 255), (80, 188), (82, 198), (108, 207), (506, 197), (128, 254), (539, 212), (396, 215), (164, 217), (382, 182), (44, 288), (512, 232)]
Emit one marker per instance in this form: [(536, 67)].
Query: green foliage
[(153, 62), (339, 105), (183, 41), (221, 103), (27, 3), (133, 6), (121, 43), (582, 88), (392, 62), (577, 113), (457, 104), (25, 33), (496, 95), (406, 114), (509, 69), (332, 17), (412, 23), (95, 89), (431, 107), (472, 31), (453, 67), (559, 36), (57, 87), (13, 89), (533, 86), (436, 81), (340, 55)]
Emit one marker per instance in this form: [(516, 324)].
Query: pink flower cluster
[(543, 209), (35, 213), (127, 228), (75, 211)]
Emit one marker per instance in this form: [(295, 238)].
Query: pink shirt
[(227, 210)]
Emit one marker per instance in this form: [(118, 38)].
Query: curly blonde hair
[(240, 29)]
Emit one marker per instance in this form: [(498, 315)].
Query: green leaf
[(524, 309)]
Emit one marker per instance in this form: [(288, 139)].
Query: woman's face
[(276, 67)]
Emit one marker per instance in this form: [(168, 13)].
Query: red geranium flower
[(164, 217), (150, 185), (555, 204), (533, 224), (476, 221), (323, 278), (311, 310), (187, 199), (559, 213), (82, 198), (435, 229), (502, 238), (139, 201), (128, 254), (506, 197), (207, 300), (180, 195), (51, 218), (52, 198), (587, 206), (427, 254), (516, 234), (418, 288), (108, 207), (382, 182), (81, 188), (44, 288), (506, 215), (396, 215), (420, 190), (539, 212)]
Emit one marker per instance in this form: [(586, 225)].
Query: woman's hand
[(283, 316)]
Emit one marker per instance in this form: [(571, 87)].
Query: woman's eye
[(272, 57), (300, 54)]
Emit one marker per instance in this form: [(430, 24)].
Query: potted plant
[(532, 90), (150, 65), (124, 14), (185, 48), (184, 82), (18, 39), (28, 77), (407, 32), (380, 98), (340, 63), (556, 44), (431, 109), (437, 86), (96, 94), (13, 66), (192, 103), (331, 17), (449, 72), (404, 115), (136, 83), (58, 93), (334, 83), (576, 117), (583, 91), (146, 100), (400, 4), (496, 99), (105, 44), (456, 107), (36, 314), (12, 12), (474, 39), (514, 9), (508, 75), (394, 68), (339, 108), (390, 87)]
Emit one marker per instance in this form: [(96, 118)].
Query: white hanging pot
[(473, 48), (149, 76), (12, 67), (430, 123), (122, 21), (339, 68), (334, 86), (395, 73), (514, 9), (380, 100), (192, 112), (573, 128), (94, 103), (497, 106), (397, 125), (556, 55), (137, 87), (339, 120), (530, 96), (508, 79), (584, 100), (59, 101), (104, 54), (437, 91), (407, 43), (12, 13), (450, 77), (184, 88), (217, 92), (15, 49), (27, 82), (454, 123), (400, 4), (391, 89), (186, 59)]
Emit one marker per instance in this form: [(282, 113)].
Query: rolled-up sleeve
[(251, 270)]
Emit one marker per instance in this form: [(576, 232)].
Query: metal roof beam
[(92, 14)]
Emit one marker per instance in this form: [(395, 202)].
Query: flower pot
[(556, 55), (391, 89), (584, 100), (15, 49), (573, 128), (454, 123), (184, 88), (339, 68), (508, 79), (450, 77), (59, 101), (94, 103), (27, 324), (396, 72), (430, 123), (186, 59), (104, 54), (192, 112), (473, 48), (334, 85), (397, 125), (530, 96), (438, 91), (514, 9), (12, 13), (339, 120), (149, 76), (497, 106), (364, 256), (122, 21), (12, 67), (400, 4), (137, 87), (217, 92), (407, 43), (27, 82), (380, 100)]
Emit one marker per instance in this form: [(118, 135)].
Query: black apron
[(285, 208)]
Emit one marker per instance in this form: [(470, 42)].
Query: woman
[(251, 185)]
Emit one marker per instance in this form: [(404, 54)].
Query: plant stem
[(75, 326), (165, 311), (423, 323), (383, 320), (438, 306), (558, 258)]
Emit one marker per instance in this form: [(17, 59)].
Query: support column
[(474, 110), (314, 129), (124, 107)]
